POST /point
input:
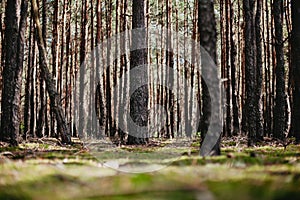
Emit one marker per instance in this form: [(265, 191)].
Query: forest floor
[(45, 170)]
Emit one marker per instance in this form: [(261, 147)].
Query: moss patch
[(48, 171)]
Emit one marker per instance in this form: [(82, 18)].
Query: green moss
[(173, 195), (45, 171), (9, 149), (251, 189)]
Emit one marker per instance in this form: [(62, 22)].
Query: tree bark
[(296, 68), (233, 54), (12, 72), (279, 109), (40, 132), (249, 107), (208, 40), (55, 103), (259, 66), (138, 57)]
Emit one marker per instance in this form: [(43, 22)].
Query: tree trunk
[(138, 57), (233, 54), (27, 109), (55, 103), (249, 107), (279, 109), (296, 68), (208, 40), (259, 66), (54, 52), (43, 107), (12, 72)]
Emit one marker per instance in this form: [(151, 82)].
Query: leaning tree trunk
[(279, 109), (138, 57), (208, 40), (55, 103), (295, 47), (12, 72), (43, 108)]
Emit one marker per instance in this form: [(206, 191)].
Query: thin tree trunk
[(84, 18), (259, 66), (43, 108), (233, 54), (27, 105), (228, 70), (54, 52), (109, 122)]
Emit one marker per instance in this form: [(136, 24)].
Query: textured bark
[(169, 62), (228, 71), (208, 40), (27, 113), (42, 111), (100, 102), (69, 66), (233, 54), (138, 57), (108, 18), (54, 52), (84, 17), (55, 102), (259, 66), (12, 72), (268, 98), (279, 109), (32, 83), (123, 89), (249, 107), (296, 68)]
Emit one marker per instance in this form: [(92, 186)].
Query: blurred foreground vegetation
[(45, 170)]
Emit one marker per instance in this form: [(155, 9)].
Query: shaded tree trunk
[(208, 40), (12, 72), (259, 66), (233, 54), (54, 52), (279, 109), (296, 68), (42, 111), (249, 107)]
